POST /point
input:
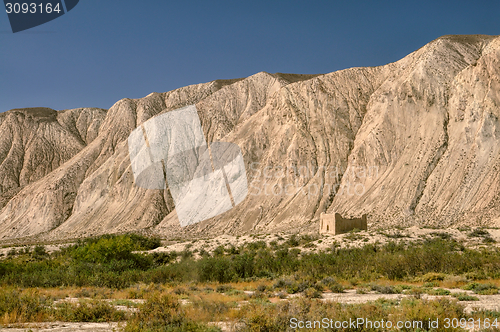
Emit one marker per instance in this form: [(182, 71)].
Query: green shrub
[(39, 252), (312, 293), (362, 290), (465, 297), (223, 288), (479, 232), (105, 250), (25, 306), (144, 242), (262, 288), (208, 290), (180, 291), (431, 284), (384, 289), (488, 239), (438, 291), (215, 269), (481, 289), (88, 311), (444, 236), (475, 275), (432, 276), (162, 258), (110, 261), (162, 313), (333, 285), (253, 246), (293, 241), (280, 284)]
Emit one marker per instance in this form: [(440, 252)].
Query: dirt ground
[(353, 239)]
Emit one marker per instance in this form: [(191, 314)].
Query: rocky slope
[(411, 142)]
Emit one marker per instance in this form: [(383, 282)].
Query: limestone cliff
[(412, 142)]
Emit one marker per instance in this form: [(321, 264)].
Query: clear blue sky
[(105, 50)]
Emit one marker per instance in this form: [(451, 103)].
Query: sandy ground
[(48, 248), (326, 241), (320, 242)]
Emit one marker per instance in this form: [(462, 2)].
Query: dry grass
[(195, 307), (453, 282), (22, 306)]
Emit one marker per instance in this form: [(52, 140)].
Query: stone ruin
[(335, 224)]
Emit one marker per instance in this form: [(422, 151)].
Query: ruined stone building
[(335, 224)]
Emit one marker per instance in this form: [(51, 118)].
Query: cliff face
[(411, 142), (35, 142)]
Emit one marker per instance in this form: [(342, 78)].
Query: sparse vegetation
[(442, 235), (465, 297), (212, 285), (438, 291), (384, 289), (479, 232), (18, 306), (162, 312), (112, 261), (432, 276), (481, 289), (278, 317)]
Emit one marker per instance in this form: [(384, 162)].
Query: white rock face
[(412, 142)]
